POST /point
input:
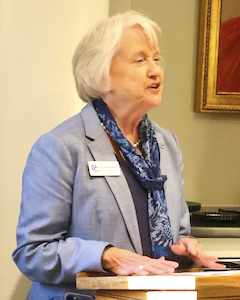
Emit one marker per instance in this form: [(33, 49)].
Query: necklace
[(105, 129), (136, 144)]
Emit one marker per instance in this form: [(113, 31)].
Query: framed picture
[(218, 66)]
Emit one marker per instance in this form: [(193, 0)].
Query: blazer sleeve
[(44, 252)]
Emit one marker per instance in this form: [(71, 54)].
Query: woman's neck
[(128, 120), (128, 125)]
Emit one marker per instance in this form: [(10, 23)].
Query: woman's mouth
[(154, 86)]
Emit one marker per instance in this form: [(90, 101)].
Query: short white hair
[(93, 56)]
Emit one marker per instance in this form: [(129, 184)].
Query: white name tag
[(104, 168)]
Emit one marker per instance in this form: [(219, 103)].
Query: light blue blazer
[(67, 217)]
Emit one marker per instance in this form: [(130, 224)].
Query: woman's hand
[(125, 262), (194, 250)]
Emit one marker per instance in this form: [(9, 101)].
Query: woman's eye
[(157, 59), (139, 60)]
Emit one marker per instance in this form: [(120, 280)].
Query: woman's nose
[(154, 69)]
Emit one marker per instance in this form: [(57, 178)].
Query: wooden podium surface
[(187, 286)]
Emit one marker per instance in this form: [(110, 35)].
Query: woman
[(97, 193)]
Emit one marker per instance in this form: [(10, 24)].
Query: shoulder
[(63, 134), (68, 137), (169, 137), (71, 130), (69, 127)]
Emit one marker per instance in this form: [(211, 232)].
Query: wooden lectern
[(175, 286)]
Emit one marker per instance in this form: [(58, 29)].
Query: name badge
[(104, 168)]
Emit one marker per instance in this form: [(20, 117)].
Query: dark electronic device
[(220, 218), (193, 206), (77, 296)]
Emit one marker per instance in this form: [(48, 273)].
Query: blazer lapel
[(101, 149), (166, 168)]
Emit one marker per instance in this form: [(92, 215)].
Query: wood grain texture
[(221, 287)]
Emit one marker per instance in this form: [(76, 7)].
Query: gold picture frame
[(208, 98)]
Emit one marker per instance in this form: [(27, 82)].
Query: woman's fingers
[(179, 249), (162, 265), (194, 250), (208, 261), (124, 262), (186, 246), (159, 266)]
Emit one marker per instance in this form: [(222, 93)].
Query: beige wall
[(36, 92), (210, 142)]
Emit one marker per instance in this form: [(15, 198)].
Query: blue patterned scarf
[(146, 168)]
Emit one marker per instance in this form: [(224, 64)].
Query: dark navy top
[(140, 199)]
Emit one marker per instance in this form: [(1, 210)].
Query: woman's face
[(136, 77)]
